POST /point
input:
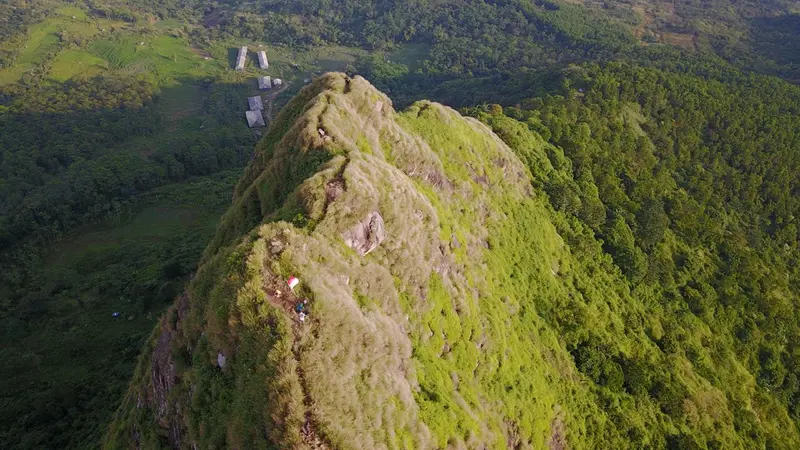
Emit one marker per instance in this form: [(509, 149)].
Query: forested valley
[(672, 139)]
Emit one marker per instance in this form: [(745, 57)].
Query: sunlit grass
[(71, 63), (164, 57), (43, 40)]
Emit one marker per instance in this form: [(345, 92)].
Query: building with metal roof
[(262, 60), (241, 58), (255, 103), (264, 83), (255, 119)]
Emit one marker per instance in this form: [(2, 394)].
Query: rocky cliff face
[(407, 232)]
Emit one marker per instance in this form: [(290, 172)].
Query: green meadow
[(71, 63), (44, 41), (163, 57)]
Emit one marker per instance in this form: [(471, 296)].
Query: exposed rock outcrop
[(162, 372), (367, 234)]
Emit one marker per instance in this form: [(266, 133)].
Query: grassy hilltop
[(486, 318)]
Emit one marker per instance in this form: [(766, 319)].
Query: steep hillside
[(440, 292)]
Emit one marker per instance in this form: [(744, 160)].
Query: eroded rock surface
[(367, 234)]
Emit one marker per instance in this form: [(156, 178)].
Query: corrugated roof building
[(255, 119), (262, 60), (277, 82), (264, 83), (241, 59), (255, 103)]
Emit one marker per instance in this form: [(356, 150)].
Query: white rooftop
[(241, 58), (254, 119), (255, 103), (262, 60)]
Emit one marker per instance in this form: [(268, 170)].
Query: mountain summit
[(387, 220), (434, 292)]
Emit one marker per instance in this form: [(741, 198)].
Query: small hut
[(262, 60), (277, 82), (240, 60), (264, 83), (255, 103), (255, 119)]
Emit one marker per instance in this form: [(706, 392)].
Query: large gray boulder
[(366, 234)]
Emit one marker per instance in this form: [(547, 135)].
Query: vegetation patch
[(71, 63), (43, 41)]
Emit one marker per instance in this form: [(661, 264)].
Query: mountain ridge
[(333, 103), (481, 318)]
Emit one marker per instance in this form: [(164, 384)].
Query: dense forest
[(691, 186), (479, 37), (677, 157), (110, 184), (58, 172), (93, 152)]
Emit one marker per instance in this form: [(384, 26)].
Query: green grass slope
[(449, 334)]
